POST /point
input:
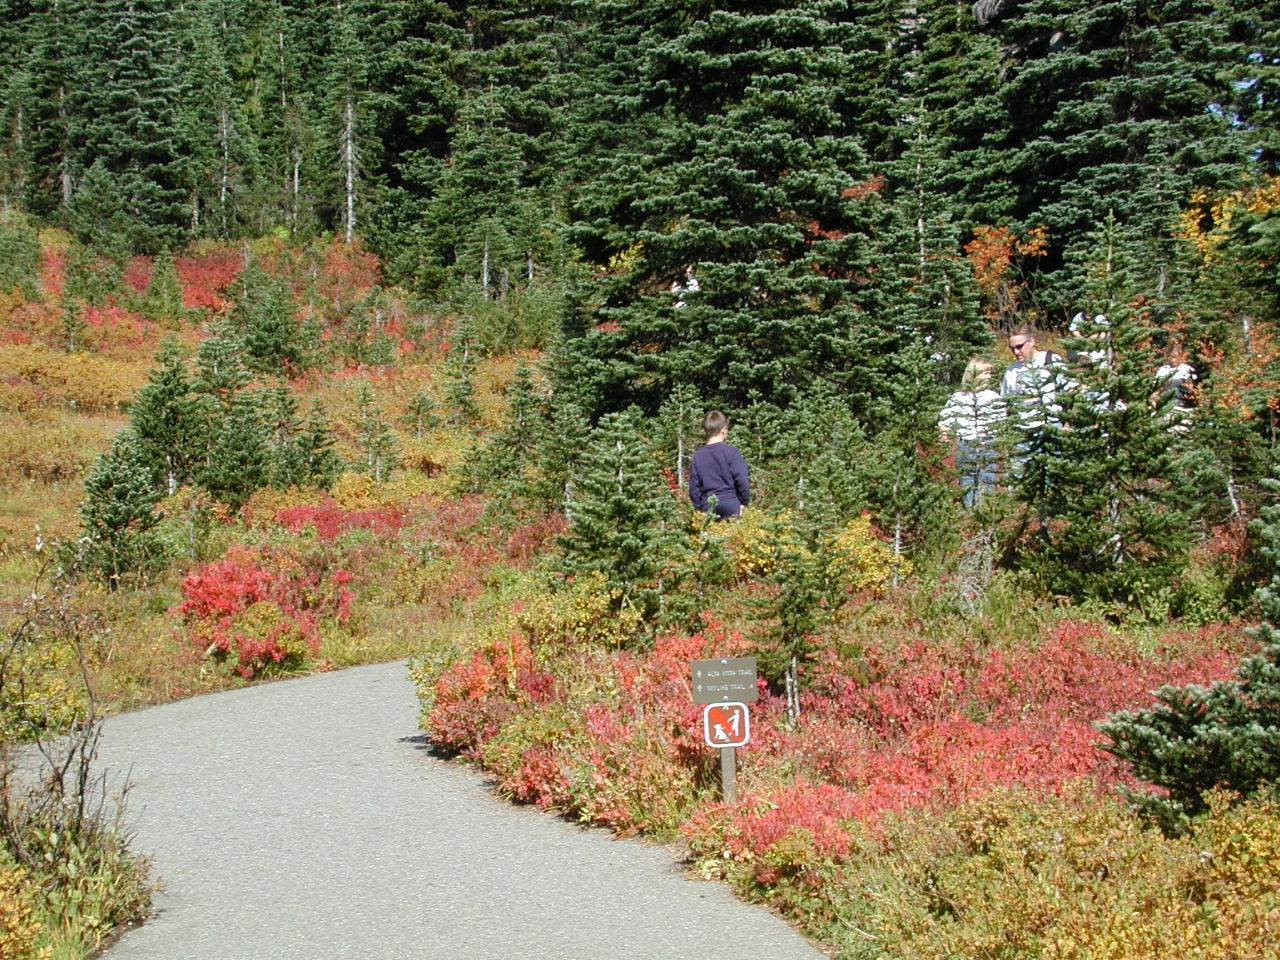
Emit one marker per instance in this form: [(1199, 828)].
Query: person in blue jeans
[(719, 472)]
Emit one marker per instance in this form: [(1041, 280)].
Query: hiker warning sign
[(726, 724)]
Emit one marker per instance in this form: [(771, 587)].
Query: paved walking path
[(303, 820)]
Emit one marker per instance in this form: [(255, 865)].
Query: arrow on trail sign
[(726, 724)]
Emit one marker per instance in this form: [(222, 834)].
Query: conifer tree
[(1111, 497), (560, 445), (15, 120), (19, 258), (752, 187), (381, 451), (283, 120), (118, 513), (169, 427), (280, 418), (802, 601), (502, 466), (421, 415), (126, 122), (621, 525), (93, 276), (220, 371), (265, 317), (459, 371), (1255, 79), (46, 89), (347, 137), (680, 423), (239, 460), (1118, 107), (319, 462), (162, 300), (219, 151), (957, 91)]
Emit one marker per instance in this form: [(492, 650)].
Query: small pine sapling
[(378, 440), (118, 514)]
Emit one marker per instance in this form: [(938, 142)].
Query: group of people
[(1028, 390), (971, 419)]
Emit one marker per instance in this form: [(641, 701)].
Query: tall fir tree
[(1118, 107), (1112, 503), (239, 460), (220, 153), (264, 314), (125, 108), (734, 239), (376, 438)]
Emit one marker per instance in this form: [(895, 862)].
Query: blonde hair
[(973, 371)]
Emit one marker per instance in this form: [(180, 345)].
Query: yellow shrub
[(753, 541), (43, 690), (1218, 897), (858, 560), (582, 614), (84, 381), (861, 561), (48, 449), (1072, 878), (436, 452), (355, 491), (265, 503), (407, 485), (19, 930)]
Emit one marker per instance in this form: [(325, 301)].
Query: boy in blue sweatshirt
[(719, 471)]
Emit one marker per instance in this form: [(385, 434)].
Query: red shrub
[(206, 277), (260, 609), (330, 520), (473, 697)]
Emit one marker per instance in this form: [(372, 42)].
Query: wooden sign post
[(724, 688)]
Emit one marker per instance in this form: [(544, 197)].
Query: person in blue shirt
[(719, 471)]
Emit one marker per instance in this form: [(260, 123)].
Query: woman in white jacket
[(972, 419)]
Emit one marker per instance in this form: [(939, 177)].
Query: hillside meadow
[(925, 777)]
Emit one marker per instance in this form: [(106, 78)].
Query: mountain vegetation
[(349, 330)]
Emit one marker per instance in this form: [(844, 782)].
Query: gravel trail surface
[(304, 820)]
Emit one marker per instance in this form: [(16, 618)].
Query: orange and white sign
[(726, 724)]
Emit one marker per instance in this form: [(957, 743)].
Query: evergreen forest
[(344, 331)]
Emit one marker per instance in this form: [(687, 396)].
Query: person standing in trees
[(972, 420), (718, 476), (1029, 389)]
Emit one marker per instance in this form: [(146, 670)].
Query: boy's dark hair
[(715, 422)]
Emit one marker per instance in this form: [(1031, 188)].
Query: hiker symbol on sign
[(726, 724)]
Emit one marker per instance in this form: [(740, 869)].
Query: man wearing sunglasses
[(1031, 373), (1029, 388)]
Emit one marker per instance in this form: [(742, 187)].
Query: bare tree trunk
[(484, 270), (68, 185), (349, 166), (296, 191), (224, 178), (792, 679)]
